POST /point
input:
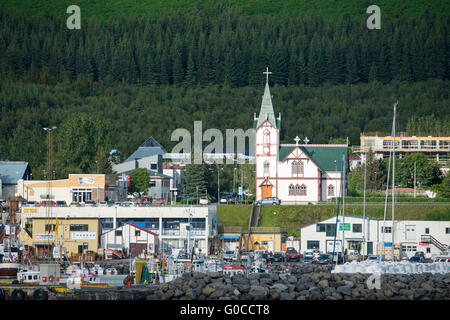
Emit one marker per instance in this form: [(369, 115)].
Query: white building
[(430, 237), (295, 173), (168, 222), (131, 237)]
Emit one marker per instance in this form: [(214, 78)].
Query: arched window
[(294, 167), (300, 167), (266, 168), (330, 190), (291, 190), (266, 142), (303, 190), (297, 190)]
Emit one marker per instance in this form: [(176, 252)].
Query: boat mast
[(364, 207), (344, 169), (393, 179)]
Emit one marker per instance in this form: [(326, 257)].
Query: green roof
[(322, 156)]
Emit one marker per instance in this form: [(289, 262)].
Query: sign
[(84, 235), (425, 244), (346, 226), (43, 236), (30, 210), (240, 191), (85, 180), (388, 244)]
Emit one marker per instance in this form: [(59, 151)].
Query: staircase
[(244, 240), (430, 239)]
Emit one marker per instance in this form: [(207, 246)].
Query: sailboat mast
[(364, 208), (393, 179), (344, 169)]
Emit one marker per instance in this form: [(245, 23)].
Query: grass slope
[(296, 217), (105, 9)]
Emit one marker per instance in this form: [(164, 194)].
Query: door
[(337, 248), (270, 246), (369, 247), (410, 232), (266, 191), (137, 248)]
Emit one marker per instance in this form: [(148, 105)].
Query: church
[(294, 173)]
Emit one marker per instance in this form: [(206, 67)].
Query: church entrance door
[(266, 192)]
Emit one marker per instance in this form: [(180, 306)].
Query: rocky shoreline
[(299, 282)]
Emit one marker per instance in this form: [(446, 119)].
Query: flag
[(56, 227)]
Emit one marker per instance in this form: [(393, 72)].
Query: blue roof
[(12, 171), (148, 148)]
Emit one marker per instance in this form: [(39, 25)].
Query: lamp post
[(335, 182), (274, 216)]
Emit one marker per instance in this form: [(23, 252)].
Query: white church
[(294, 173)]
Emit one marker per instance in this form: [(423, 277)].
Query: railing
[(232, 229), (430, 239), (267, 229)]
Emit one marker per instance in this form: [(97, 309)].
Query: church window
[(330, 190), (297, 189), (266, 142), (291, 190), (300, 167), (294, 167), (303, 190), (266, 168)]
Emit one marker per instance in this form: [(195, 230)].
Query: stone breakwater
[(302, 282)]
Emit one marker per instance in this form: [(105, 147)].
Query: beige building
[(76, 235), (77, 188)]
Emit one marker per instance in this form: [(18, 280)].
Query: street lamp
[(274, 216)]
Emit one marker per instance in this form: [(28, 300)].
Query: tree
[(196, 178), (139, 181), (427, 171)]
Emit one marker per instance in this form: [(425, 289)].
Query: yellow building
[(75, 235), (77, 188)]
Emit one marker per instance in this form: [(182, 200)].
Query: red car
[(292, 254)]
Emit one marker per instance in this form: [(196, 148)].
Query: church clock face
[(266, 149)]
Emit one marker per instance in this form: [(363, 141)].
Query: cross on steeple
[(267, 74), (296, 139), (306, 140)]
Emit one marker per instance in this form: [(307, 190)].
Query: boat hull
[(9, 269)]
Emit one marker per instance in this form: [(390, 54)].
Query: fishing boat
[(9, 269), (234, 270)]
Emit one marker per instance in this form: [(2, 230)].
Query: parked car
[(74, 204), (89, 203), (103, 204), (372, 258), (338, 255), (204, 200), (223, 200), (61, 203), (292, 254), (416, 259), (269, 201), (308, 259), (277, 257), (324, 258), (229, 255)]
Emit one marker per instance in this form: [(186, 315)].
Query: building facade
[(430, 237), (131, 237), (76, 235), (295, 173), (11, 172), (168, 222)]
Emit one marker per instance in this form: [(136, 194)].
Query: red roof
[(354, 157), (143, 229)]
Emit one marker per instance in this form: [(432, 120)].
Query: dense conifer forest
[(122, 80)]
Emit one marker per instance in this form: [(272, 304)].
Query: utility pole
[(414, 179)]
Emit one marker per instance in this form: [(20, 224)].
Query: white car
[(223, 200), (229, 255), (204, 200)]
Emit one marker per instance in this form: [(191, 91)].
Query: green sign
[(346, 227)]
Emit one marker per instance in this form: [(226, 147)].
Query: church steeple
[(266, 111)]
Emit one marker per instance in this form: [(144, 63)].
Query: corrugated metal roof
[(322, 156), (148, 148), (12, 171)]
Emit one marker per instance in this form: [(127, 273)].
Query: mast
[(393, 179), (364, 207), (344, 169)]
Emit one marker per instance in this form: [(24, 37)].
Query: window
[(428, 250), (330, 190), (79, 227), (152, 184), (320, 227), (447, 230), (330, 229), (137, 233), (291, 190), (357, 227), (153, 166), (427, 230), (386, 230), (50, 227), (312, 244), (118, 233), (300, 167), (303, 190), (294, 167), (266, 168)]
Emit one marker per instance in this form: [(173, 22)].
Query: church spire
[(266, 111)]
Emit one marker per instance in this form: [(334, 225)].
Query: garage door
[(337, 248), (137, 248)]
